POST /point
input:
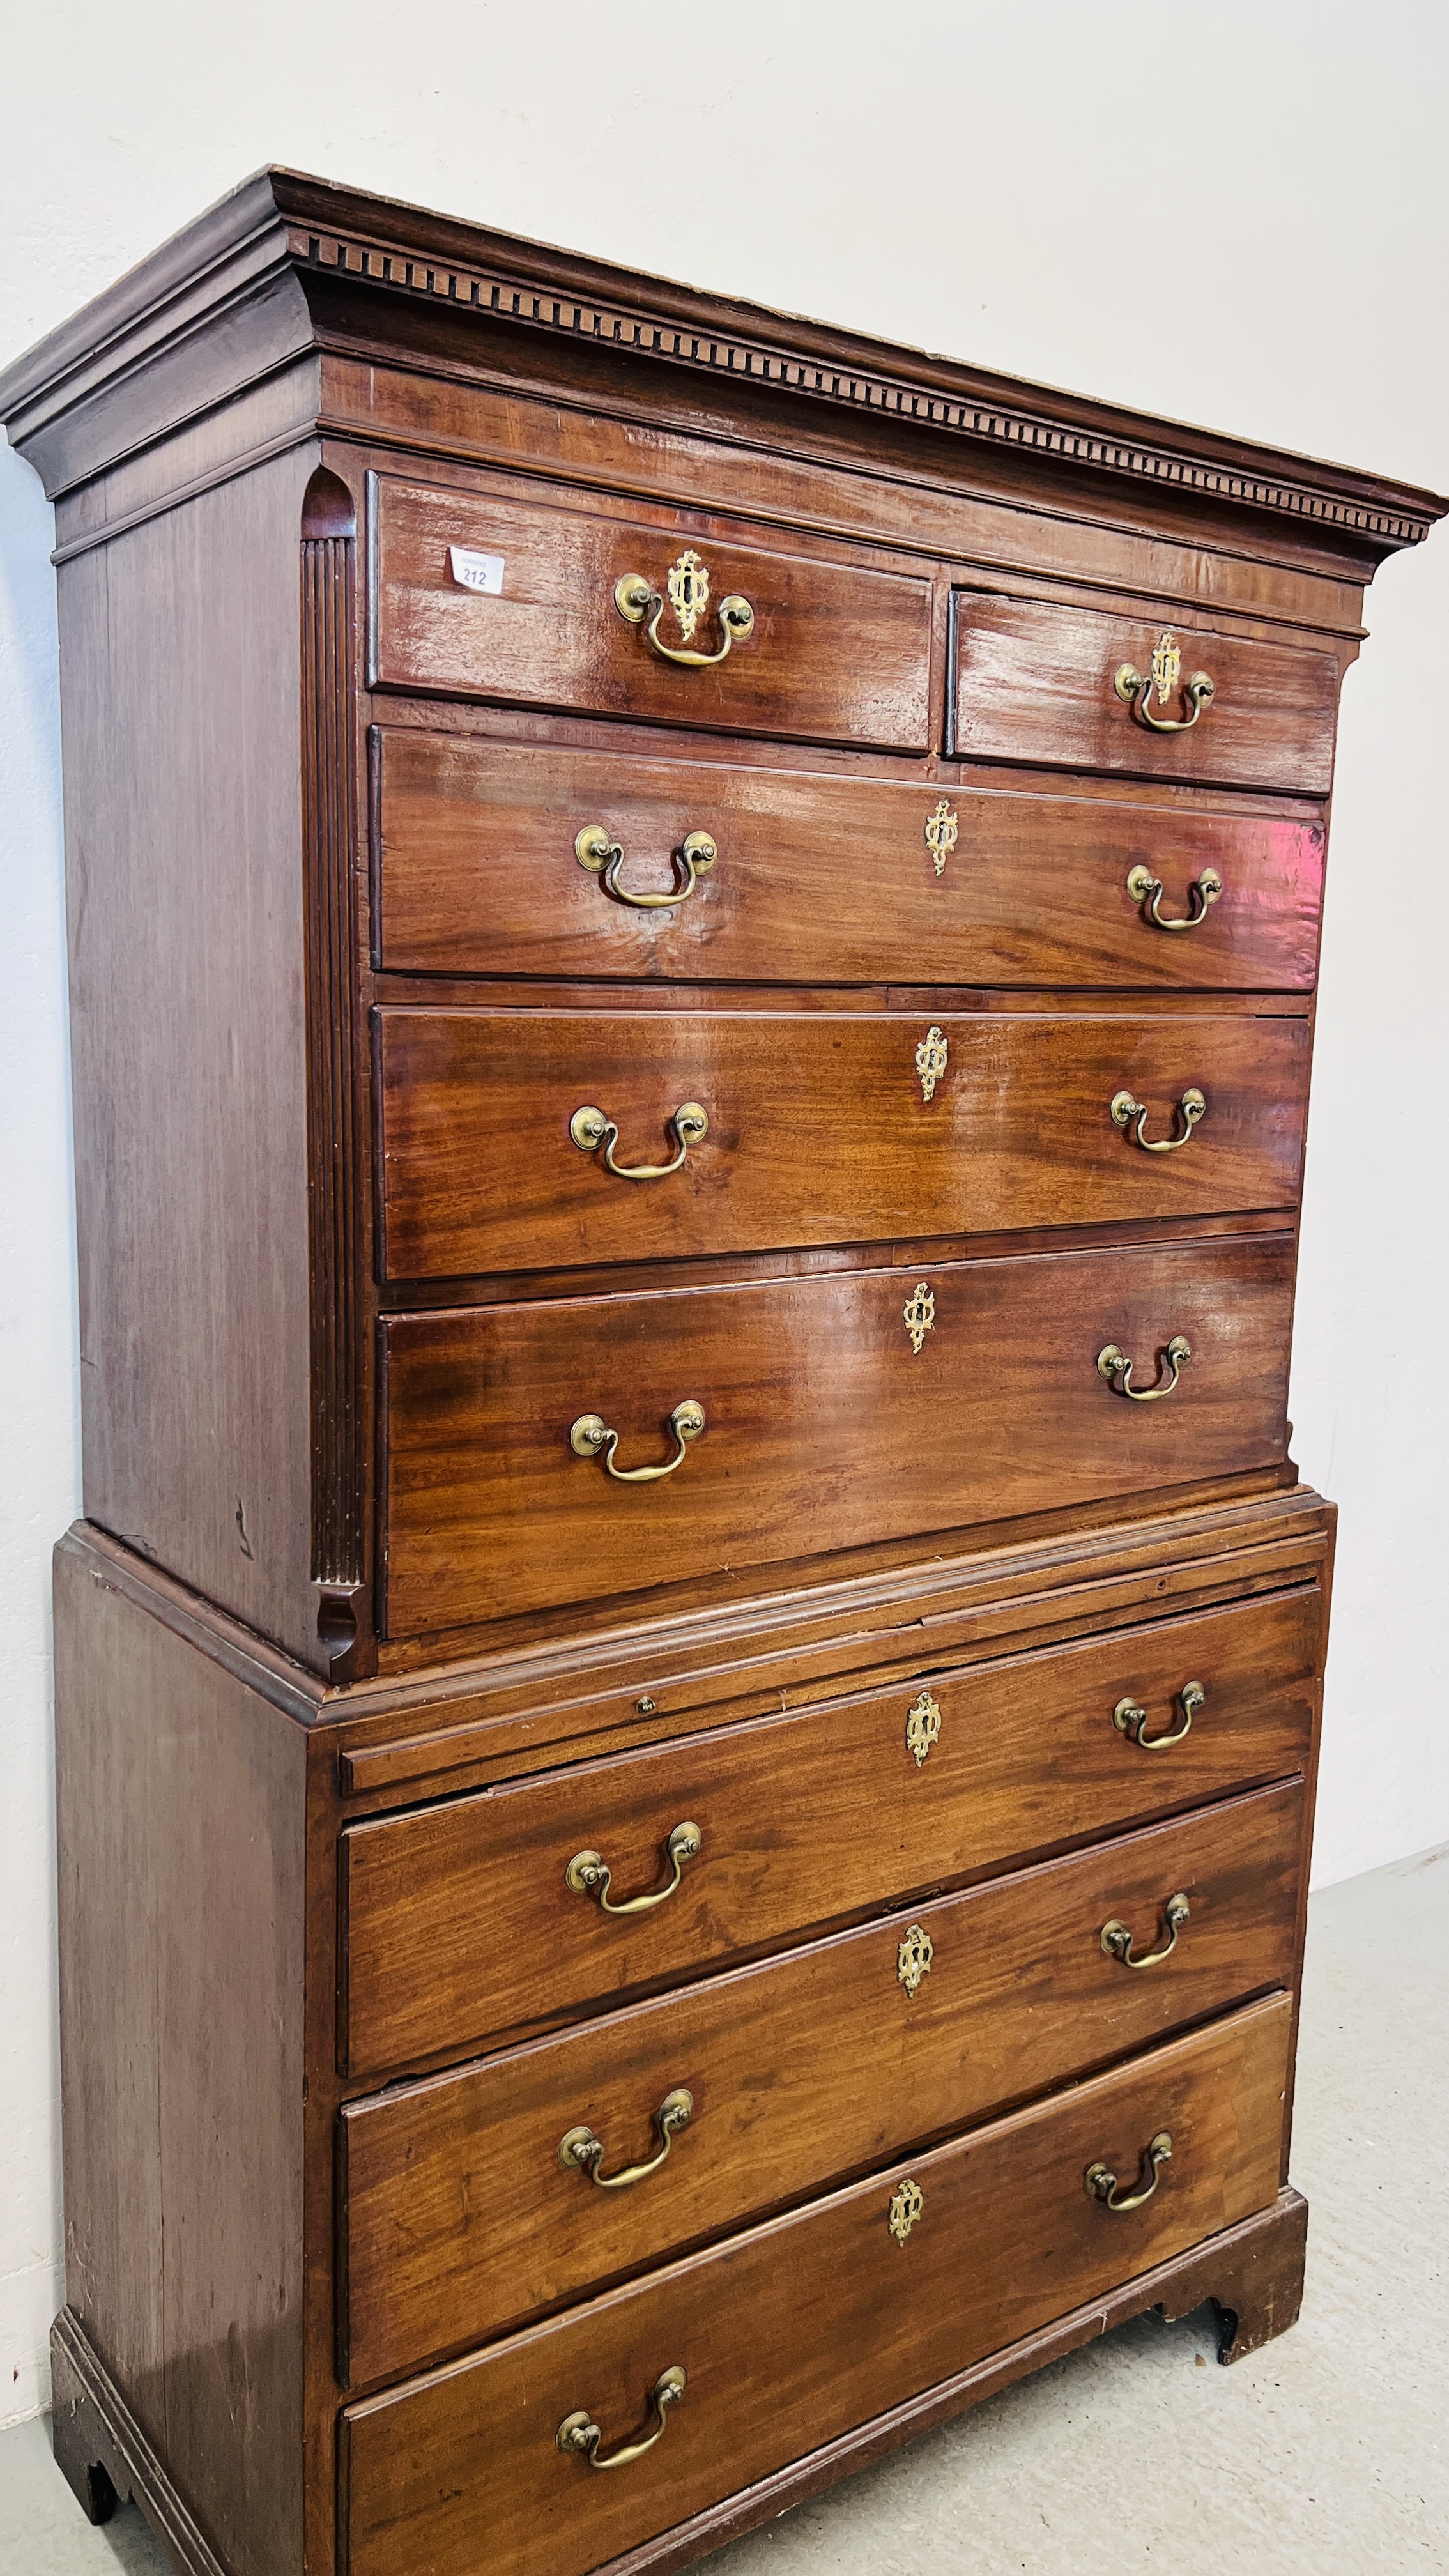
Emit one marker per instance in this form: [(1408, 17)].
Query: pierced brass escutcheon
[(923, 1727), (1146, 889), (931, 1056), (1161, 681), (913, 1958), (1117, 1940), (905, 2209), (687, 589), (1100, 2183), (920, 1314), (1129, 1717), (1115, 1366), (604, 857), (1191, 1110), (588, 1874), (580, 2435), (590, 1128), (942, 829), (591, 1435), (582, 2152)]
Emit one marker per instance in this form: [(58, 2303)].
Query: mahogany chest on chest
[(687, 1701)]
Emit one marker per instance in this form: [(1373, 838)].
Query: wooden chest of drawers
[(688, 1698)]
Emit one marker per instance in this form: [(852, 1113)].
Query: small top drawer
[(575, 604), (1035, 680)]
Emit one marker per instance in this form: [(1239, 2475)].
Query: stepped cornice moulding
[(282, 223)]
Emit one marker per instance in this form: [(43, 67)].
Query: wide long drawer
[(785, 2338), (1043, 682), (820, 879), (802, 1414), (460, 1921), (798, 1128), (478, 593), (469, 2200)]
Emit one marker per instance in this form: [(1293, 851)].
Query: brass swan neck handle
[(1130, 1719), (591, 1435), (1191, 1110), (686, 591), (604, 857), (580, 2435), (590, 1128), (1137, 690), (1117, 1939), (582, 2152), (589, 1874), (1100, 2183), (1146, 890), (1116, 1368)]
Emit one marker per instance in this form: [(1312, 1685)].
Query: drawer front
[(460, 2220), (838, 1410), (838, 651), (460, 1922), (795, 2333), (819, 1130), (1034, 681), (820, 879)]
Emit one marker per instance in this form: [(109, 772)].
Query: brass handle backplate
[(604, 857), (590, 1128), (1116, 1368), (588, 1874), (1162, 678), (1191, 1109), (686, 591), (1146, 889), (591, 1435), (1117, 1940), (1130, 1719), (580, 2435), (1100, 2183), (582, 2152)]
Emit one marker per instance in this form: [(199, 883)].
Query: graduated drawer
[(839, 650), (819, 1128), (793, 2334), (460, 2220), (1036, 681), (838, 1410), (820, 879), (460, 1921)]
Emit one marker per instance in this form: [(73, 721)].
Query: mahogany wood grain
[(805, 1820), (840, 650), (1034, 679), (818, 1129), (180, 1815), (793, 2333), (824, 1427), (819, 878), (459, 2221)]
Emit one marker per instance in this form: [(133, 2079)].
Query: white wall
[(1233, 214)]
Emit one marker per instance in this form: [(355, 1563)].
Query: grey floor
[(1325, 2455)]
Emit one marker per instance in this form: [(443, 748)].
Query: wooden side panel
[(824, 1427), (821, 879), (182, 694), (181, 1823), (790, 2336), (461, 2220), (803, 1821), (839, 650), (818, 1131), (1034, 681)]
